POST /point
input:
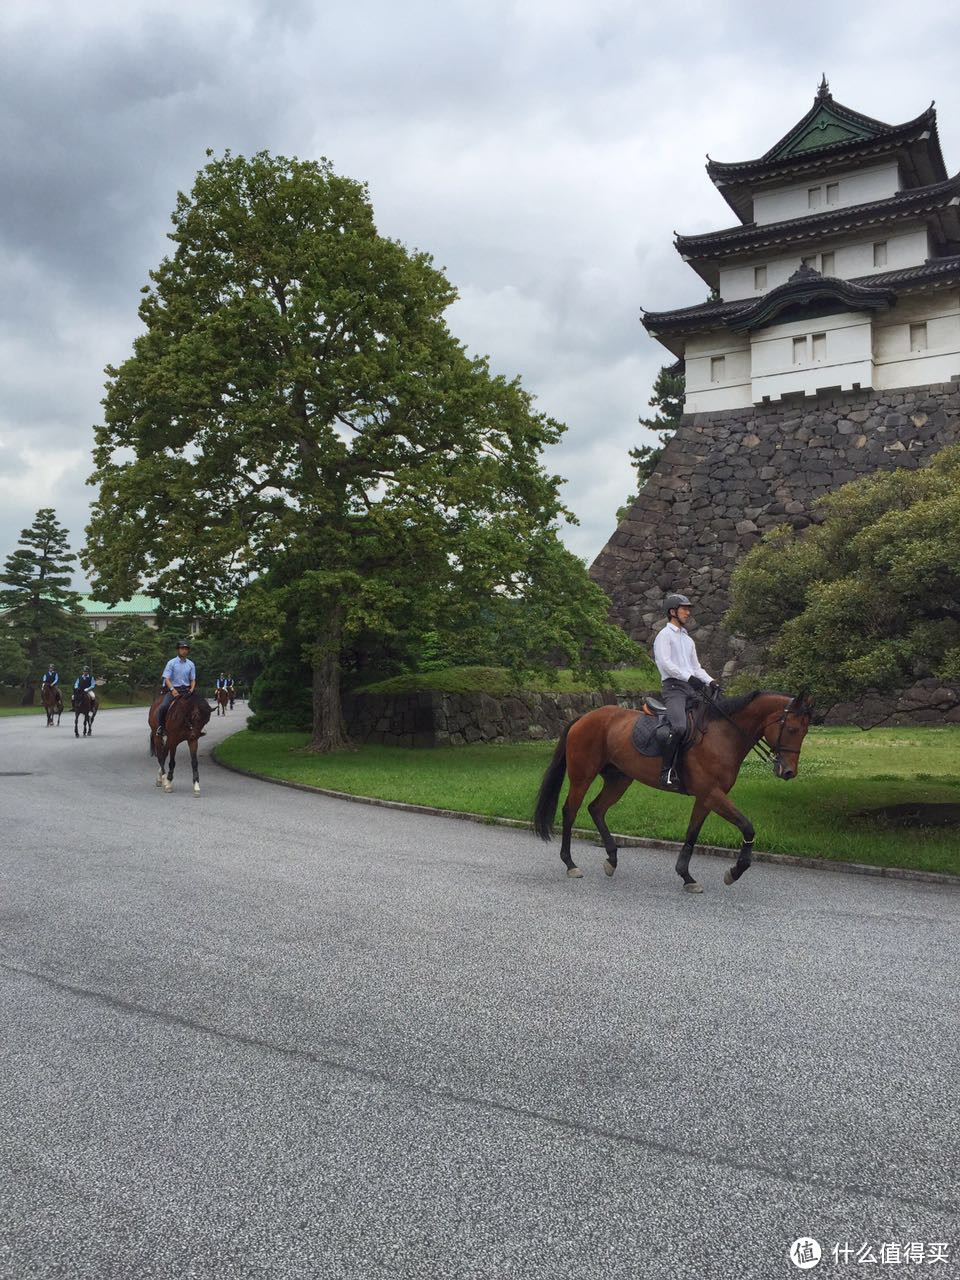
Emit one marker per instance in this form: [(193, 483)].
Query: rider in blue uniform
[(179, 679), (50, 676), (85, 681)]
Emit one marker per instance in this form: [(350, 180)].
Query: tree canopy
[(41, 611), (297, 427), (866, 599)]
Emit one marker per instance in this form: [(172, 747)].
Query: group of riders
[(179, 680), (673, 651), (84, 683)]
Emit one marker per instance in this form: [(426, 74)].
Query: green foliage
[(498, 680), (14, 667), (667, 399), (298, 414), (132, 657), (868, 599), (41, 611)]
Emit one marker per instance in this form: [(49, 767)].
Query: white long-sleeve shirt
[(676, 655)]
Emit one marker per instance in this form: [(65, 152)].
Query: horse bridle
[(769, 755)]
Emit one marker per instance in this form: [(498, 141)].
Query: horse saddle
[(651, 729)]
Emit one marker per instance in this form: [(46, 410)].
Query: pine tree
[(41, 610), (667, 399)]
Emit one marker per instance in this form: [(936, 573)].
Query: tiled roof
[(716, 315), (136, 604), (877, 135), (904, 204)]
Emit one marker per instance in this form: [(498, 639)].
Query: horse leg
[(721, 805), (76, 722), (195, 766), (697, 819), (168, 780), (615, 784), (161, 750), (571, 806)]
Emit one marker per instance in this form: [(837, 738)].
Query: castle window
[(833, 193), (814, 197), (918, 337), (827, 264), (799, 351), (717, 365), (819, 348), (760, 277), (880, 254)]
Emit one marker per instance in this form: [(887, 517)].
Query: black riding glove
[(696, 683)]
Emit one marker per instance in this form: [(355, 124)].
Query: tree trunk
[(329, 731)]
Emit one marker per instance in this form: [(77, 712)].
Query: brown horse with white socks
[(599, 743), (186, 717)]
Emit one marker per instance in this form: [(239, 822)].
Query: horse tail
[(546, 810)]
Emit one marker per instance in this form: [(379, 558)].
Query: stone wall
[(453, 719), (726, 477)]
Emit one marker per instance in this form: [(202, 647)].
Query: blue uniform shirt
[(180, 672)]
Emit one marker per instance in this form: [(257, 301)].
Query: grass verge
[(823, 813)]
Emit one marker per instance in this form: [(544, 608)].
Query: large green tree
[(297, 413), (41, 610), (667, 399), (131, 656), (866, 599)]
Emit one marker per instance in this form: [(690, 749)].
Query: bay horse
[(599, 743), (86, 706), (52, 700), (223, 697), (185, 721)]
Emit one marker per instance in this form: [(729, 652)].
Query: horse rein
[(767, 754)]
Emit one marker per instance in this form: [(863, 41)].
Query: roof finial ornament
[(824, 90)]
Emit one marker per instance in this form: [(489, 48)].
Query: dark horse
[(185, 720), (52, 700), (223, 697), (86, 706), (599, 742)]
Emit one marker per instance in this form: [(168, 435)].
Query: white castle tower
[(843, 273)]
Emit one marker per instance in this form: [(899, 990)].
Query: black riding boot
[(669, 777)]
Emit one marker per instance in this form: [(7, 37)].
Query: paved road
[(261, 1033)]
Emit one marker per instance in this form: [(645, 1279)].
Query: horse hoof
[(196, 788), (728, 877), (574, 873), (693, 887), (168, 786), (609, 868)]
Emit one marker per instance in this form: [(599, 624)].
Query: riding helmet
[(676, 601)]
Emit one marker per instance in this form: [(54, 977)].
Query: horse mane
[(730, 706)]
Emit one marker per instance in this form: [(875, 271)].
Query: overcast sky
[(543, 151)]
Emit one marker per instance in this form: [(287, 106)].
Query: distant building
[(100, 615)]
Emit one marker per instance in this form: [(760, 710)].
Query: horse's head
[(199, 715), (784, 735)]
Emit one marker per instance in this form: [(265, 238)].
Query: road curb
[(625, 842)]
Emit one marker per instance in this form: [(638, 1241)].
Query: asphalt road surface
[(262, 1033)]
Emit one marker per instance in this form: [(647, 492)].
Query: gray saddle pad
[(649, 733)]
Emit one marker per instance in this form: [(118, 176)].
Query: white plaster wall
[(848, 359), (733, 392), (898, 366), (856, 187), (852, 258)]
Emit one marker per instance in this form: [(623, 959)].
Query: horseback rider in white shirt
[(680, 671)]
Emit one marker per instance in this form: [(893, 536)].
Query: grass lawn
[(843, 772), (106, 704)]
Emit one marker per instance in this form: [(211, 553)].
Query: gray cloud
[(543, 151)]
